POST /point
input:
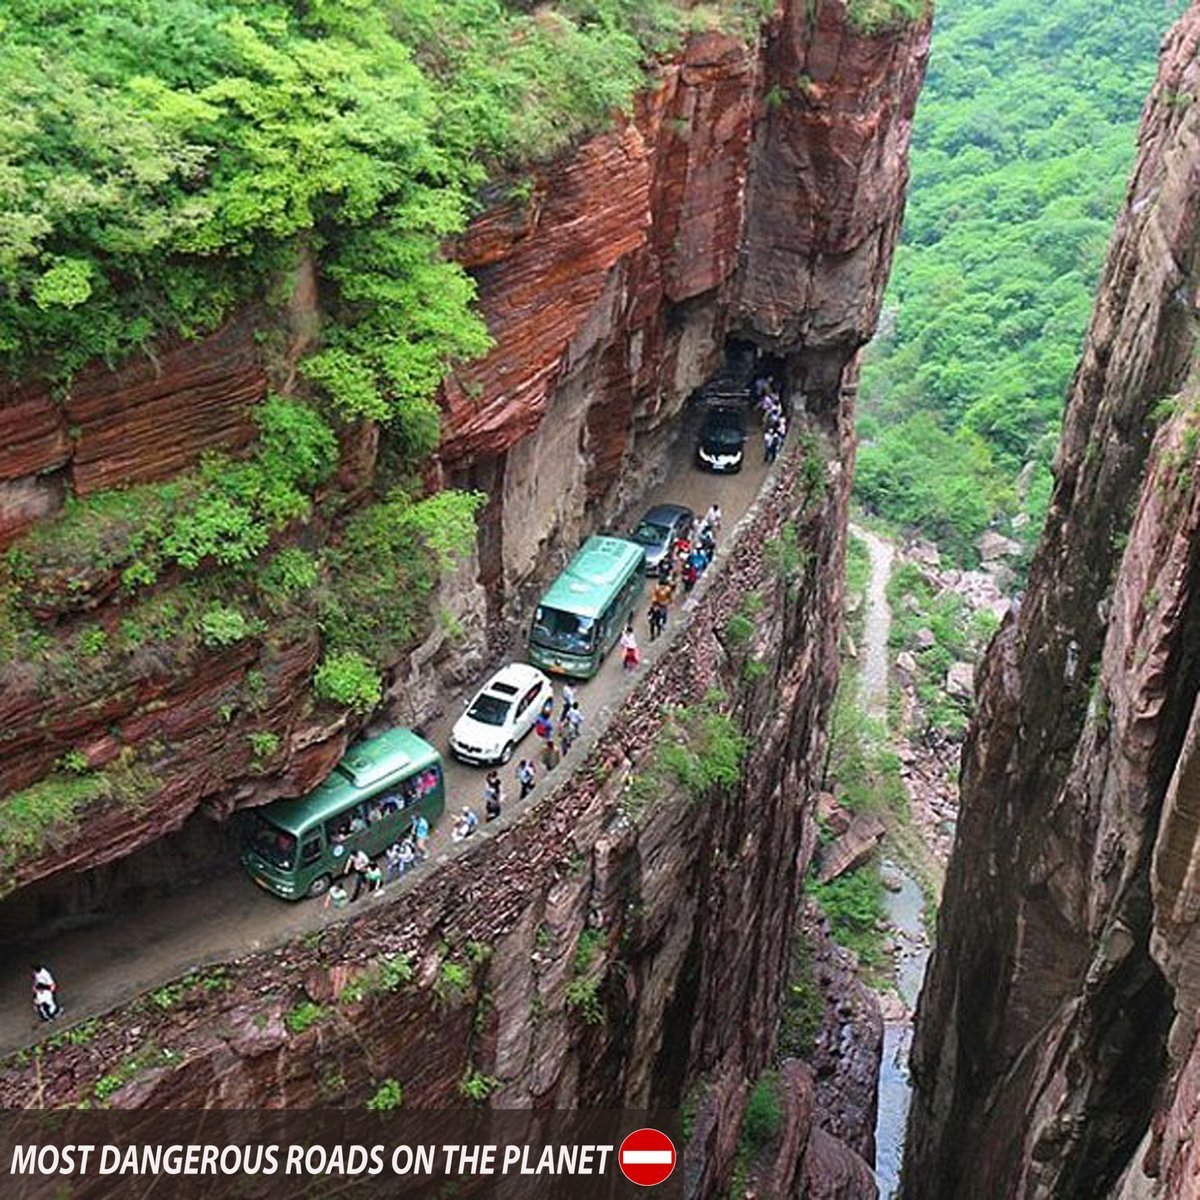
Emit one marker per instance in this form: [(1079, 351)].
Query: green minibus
[(584, 611), (298, 847)]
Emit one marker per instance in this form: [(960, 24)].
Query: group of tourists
[(774, 422), (370, 876), (687, 561), (557, 737)]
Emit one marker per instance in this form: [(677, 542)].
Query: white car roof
[(518, 675)]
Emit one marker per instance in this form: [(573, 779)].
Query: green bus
[(584, 612), (297, 848)]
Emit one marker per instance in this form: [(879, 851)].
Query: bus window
[(273, 844), (311, 851), (561, 630), (428, 782), (337, 833)]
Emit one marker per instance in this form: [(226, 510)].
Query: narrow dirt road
[(878, 625), (140, 947)]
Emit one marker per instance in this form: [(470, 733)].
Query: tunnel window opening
[(200, 850)]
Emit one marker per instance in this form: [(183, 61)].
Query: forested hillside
[(1022, 145)]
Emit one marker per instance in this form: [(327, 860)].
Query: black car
[(658, 529), (722, 444)]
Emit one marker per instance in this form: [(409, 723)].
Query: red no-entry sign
[(647, 1157)]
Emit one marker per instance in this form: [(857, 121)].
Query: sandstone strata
[(146, 421), (1064, 954)]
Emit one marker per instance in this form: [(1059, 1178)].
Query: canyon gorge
[(629, 940)]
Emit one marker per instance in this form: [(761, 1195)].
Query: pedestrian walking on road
[(575, 721), (408, 855), (629, 646), (420, 834), (712, 519), (544, 726), (358, 862), (657, 619), (526, 777), (568, 698), (394, 868), (493, 796), (550, 755), (45, 993)]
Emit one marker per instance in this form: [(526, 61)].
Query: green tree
[(1022, 143)]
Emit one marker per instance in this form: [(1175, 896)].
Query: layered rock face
[(735, 203), (145, 422), (1057, 1030)]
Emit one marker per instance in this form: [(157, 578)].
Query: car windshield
[(272, 844), (724, 432), (489, 710), (649, 534), (560, 630)]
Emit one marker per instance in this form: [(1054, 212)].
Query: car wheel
[(319, 886), (506, 753)]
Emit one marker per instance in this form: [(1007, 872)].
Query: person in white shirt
[(45, 993)]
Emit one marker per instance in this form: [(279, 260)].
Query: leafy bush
[(304, 1016), (290, 574), (871, 16), (476, 1086), (385, 567), (74, 761), (763, 1118), (263, 743), (803, 1004), (583, 995), (348, 679), (222, 625), (854, 905), (452, 981), (703, 750), (388, 1097), (93, 641), (591, 942)]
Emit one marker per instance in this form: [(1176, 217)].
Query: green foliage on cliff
[(49, 812), (854, 905), (872, 16), (224, 512), (1022, 144), (164, 160)]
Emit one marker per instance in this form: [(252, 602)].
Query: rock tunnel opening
[(201, 849)]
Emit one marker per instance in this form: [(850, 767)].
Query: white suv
[(501, 714)]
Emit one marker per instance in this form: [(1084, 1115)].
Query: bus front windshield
[(272, 844), (559, 630)]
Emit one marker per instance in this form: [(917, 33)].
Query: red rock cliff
[(1066, 947)]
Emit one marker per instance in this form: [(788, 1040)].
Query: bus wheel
[(506, 753), (319, 886)]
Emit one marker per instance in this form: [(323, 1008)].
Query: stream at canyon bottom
[(905, 910)]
